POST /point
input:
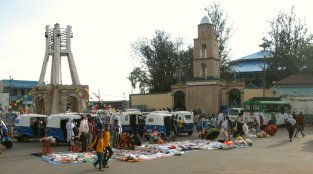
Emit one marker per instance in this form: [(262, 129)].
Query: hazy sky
[(104, 30)]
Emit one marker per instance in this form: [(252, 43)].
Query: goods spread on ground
[(148, 151)]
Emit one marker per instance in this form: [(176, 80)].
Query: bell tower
[(206, 61), (55, 97)]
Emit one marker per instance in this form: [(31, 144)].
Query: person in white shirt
[(257, 123), (224, 129), (83, 130), (70, 133)]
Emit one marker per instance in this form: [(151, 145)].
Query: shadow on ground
[(308, 146)]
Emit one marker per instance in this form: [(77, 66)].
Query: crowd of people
[(239, 127)]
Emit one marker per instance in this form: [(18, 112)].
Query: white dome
[(205, 20)]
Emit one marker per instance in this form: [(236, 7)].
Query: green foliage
[(290, 45), (163, 62)]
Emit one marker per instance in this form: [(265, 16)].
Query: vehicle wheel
[(8, 144), (25, 138), (19, 139), (190, 133)]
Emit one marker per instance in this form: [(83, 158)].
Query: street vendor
[(135, 139)]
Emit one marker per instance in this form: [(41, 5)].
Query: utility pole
[(10, 92), (264, 46)]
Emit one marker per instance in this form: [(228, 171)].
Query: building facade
[(298, 91), (15, 94)]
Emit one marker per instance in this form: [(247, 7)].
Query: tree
[(162, 59), (139, 76), (290, 45), (220, 20)]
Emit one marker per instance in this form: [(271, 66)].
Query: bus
[(281, 109)]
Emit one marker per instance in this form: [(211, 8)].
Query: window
[(126, 117), (204, 71), (188, 117), (151, 120), (203, 51)]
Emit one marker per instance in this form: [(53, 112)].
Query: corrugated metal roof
[(294, 91), (19, 83)]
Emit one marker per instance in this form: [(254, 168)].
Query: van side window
[(188, 117), (151, 120), (126, 117)]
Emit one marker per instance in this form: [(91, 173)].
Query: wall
[(4, 100), (250, 93), (304, 105), (205, 96), (157, 101)]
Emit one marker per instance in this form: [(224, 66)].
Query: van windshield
[(233, 112)]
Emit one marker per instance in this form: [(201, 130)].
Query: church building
[(206, 90)]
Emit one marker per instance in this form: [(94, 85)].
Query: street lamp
[(264, 45)]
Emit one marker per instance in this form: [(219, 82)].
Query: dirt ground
[(267, 155)]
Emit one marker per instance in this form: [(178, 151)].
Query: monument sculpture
[(54, 97)]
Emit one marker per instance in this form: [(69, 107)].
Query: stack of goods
[(261, 134), (73, 158), (271, 130), (46, 144), (227, 145), (210, 134)]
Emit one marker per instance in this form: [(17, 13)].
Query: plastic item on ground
[(210, 134), (227, 145)]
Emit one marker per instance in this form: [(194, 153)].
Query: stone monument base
[(54, 99)]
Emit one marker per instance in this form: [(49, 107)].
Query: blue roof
[(248, 66), (250, 63), (19, 83), (257, 55)]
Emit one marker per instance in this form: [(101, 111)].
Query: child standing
[(180, 125), (98, 143), (108, 148)]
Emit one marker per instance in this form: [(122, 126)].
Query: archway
[(72, 104), (179, 101), (234, 98), (40, 106)]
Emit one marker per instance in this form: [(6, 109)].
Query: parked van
[(233, 113), (29, 126), (187, 118), (155, 121), (56, 125), (130, 119)]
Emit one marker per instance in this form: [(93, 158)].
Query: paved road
[(267, 155)]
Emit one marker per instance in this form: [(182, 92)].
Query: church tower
[(206, 61)]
